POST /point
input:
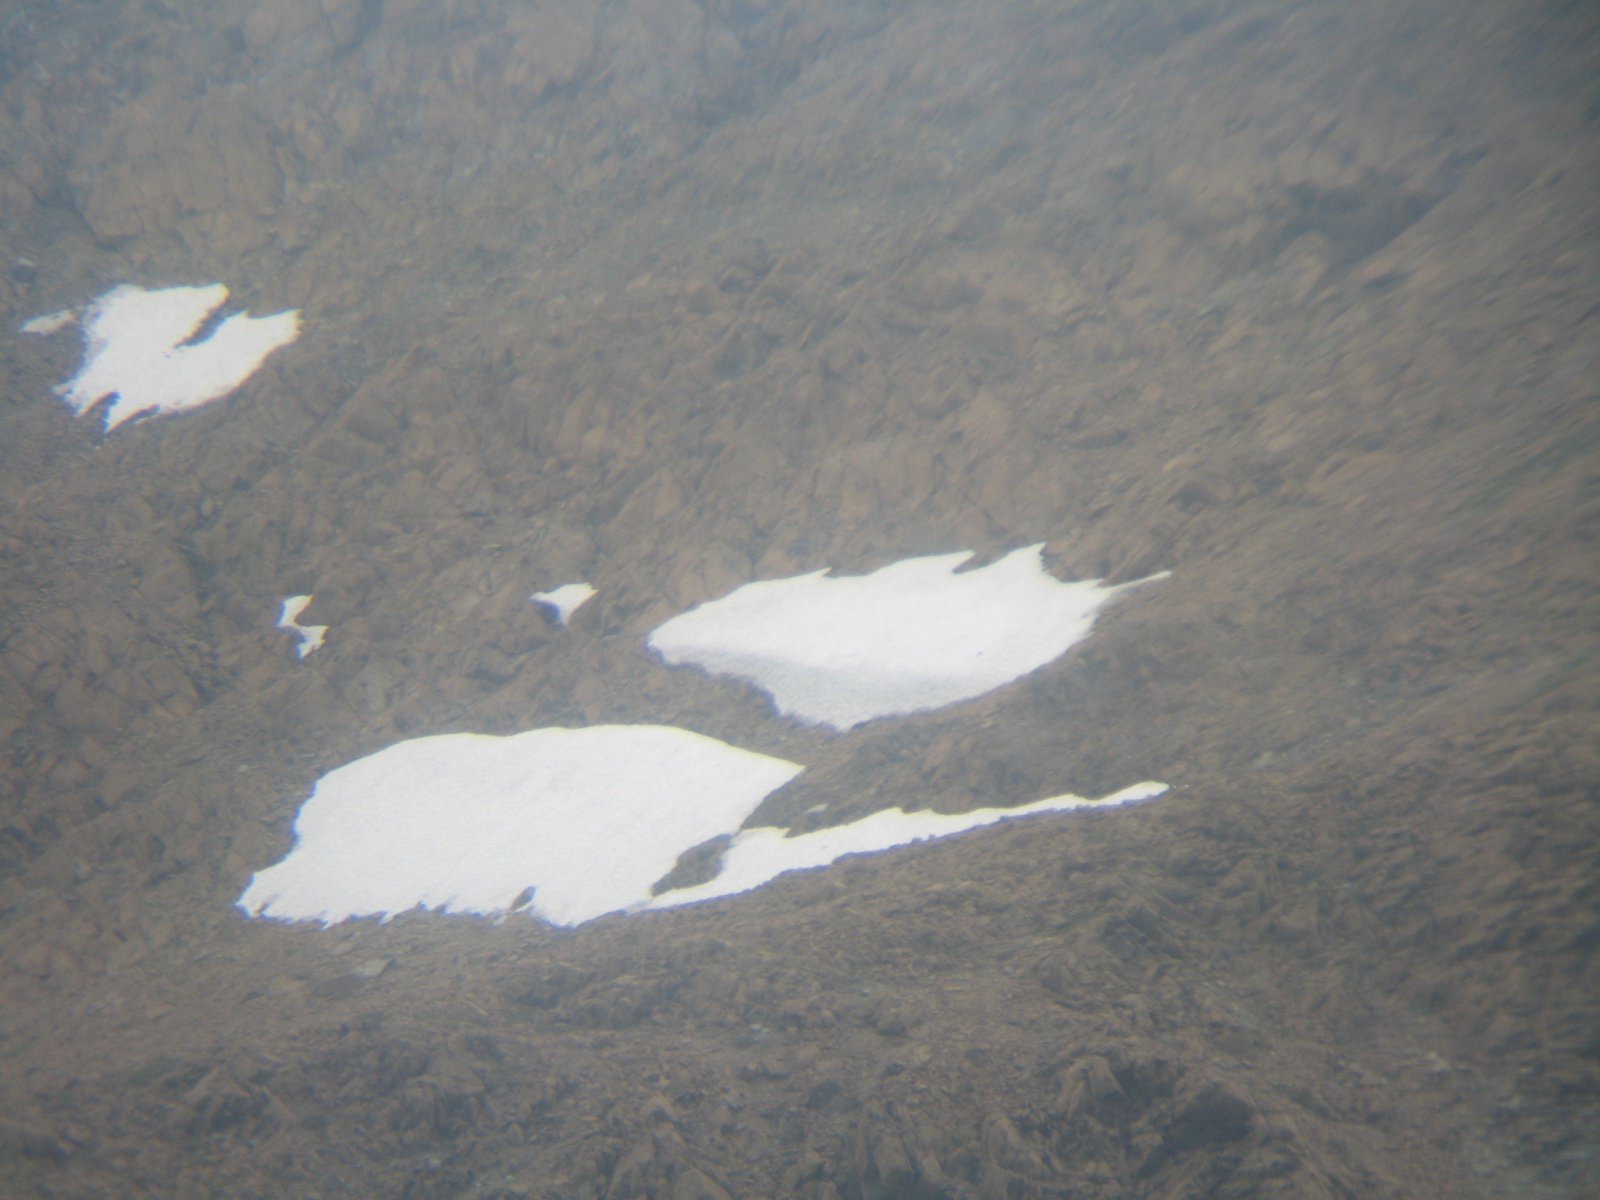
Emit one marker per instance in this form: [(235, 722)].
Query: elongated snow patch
[(758, 856), (50, 322), (463, 822), (913, 636), (139, 352)]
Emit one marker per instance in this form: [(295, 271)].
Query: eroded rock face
[(1298, 305)]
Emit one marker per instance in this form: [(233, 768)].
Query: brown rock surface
[(1298, 302)]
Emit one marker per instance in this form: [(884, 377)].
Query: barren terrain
[(1297, 301)]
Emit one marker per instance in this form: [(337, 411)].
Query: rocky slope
[(1298, 302)]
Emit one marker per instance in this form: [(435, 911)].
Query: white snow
[(588, 819), (572, 824), (309, 636), (912, 636), (757, 856), (138, 350), (464, 822), (51, 322), (564, 600)]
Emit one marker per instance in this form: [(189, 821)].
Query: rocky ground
[(1300, 302)]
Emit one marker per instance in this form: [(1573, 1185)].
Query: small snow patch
[(309, 637), (51, 322), (140, 353), (563, 601)]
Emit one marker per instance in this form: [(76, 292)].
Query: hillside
[(1297, 302)]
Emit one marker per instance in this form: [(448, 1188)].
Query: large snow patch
[(464, 822), (912, 636)]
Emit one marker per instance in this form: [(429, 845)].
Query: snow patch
[(912, 636), (563, 601), (50, 322), (758, 856), (465, 822), (309, 637), (139, 352)]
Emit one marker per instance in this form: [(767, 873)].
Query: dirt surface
[(1300, 302)]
